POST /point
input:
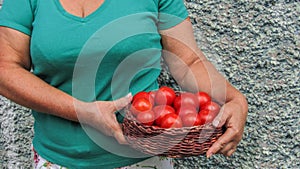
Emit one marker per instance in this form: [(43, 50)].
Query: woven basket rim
[(130, 117)]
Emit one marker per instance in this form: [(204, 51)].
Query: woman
[(75, 48)]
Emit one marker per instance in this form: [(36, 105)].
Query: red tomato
[(203, 98), (140, 105), (146, 118), (171, 121), (191, 119), (185, 99), (212, 106), (206, 116), (143, 94), (152, 94), (186, 109), (165, 95), (160, 111), (140, 94)]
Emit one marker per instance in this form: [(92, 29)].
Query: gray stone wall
[(256, 45)]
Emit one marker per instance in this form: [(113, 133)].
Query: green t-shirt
[(111, 52)]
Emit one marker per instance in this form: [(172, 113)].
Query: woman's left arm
[(193, 72)]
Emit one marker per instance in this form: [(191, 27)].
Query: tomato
[(171, 121), (203, 98), (143, 94), (160, 111), (191, 119), (140, 105), (206, 116), (186, 99), (186, 109), (146, 118), (208, 112), (212, 107), (152, 94), (165, 96)]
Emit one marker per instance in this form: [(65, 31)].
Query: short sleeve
[(18, 15), (171, 13)]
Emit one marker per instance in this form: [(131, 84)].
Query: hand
[(101, 115), (233, 115)]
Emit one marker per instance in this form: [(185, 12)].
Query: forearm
[(190, 67), (194, 72), (207, 78), (24, 88), (201, 75)]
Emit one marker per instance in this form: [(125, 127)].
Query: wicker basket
[(172, 142)]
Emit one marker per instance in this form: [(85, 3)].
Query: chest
[(116, 27), (81, 8)]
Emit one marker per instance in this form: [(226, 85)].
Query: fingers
[(122, 102), (113, 129), (224, 144), (103, 117), (229, 152), (118, 134), (116, 131), (226, 113), (223, 115), (228, 149), (107, 120), (233, 118)]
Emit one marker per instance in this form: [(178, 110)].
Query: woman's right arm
[(18, 84)]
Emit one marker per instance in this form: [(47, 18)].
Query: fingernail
[(216, 122), (209, 155), (129, 95)]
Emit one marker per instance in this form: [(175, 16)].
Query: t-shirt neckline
[(78, 18)]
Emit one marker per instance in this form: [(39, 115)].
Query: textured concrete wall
[(256, 45)]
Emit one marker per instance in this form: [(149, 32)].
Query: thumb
[(221, 118), (122, 102)]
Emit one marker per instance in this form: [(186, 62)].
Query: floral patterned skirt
[(151, 163)]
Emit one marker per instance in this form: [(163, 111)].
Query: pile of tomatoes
[(167, 109)]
